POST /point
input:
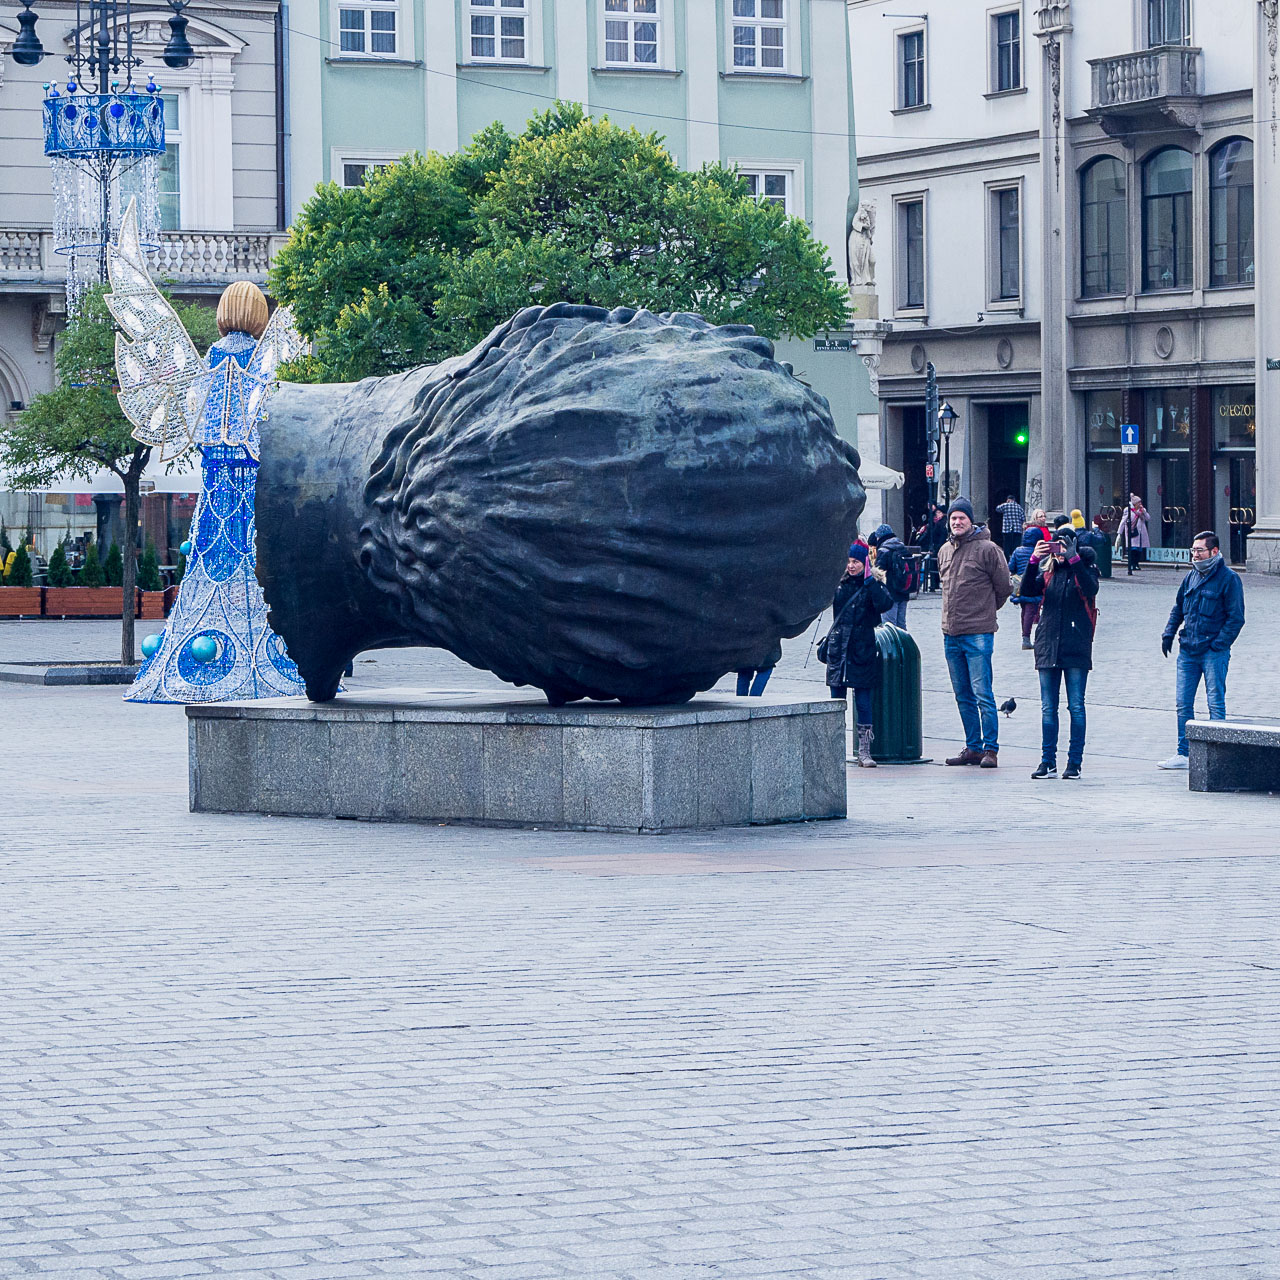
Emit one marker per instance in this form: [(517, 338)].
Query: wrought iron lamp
[(947, 419), (100, 128)]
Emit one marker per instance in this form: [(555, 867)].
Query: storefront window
[(1233, 421), (1168, 418), (1104, 411)]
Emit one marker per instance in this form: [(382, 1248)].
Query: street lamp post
[(100, 128), (947, 419)]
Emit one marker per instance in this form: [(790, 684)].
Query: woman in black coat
[(851, 643), (1067, 578)]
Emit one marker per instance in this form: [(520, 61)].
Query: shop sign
[(1272, 364), (1169, 555)]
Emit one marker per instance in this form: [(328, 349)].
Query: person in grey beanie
[(975, 585)]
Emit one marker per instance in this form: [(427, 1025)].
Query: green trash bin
[(897, 704)]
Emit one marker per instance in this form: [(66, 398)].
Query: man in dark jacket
[(1210, 611), (892, 560), (975, 584)]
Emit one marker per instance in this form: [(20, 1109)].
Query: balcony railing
[(192, 258), (1141, 79)]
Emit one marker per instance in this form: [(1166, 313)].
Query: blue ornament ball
[(185, 548), (204, 648), (150, 644), (117, 109)]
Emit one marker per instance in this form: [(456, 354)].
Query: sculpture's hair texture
[(610, 503), (242, 309)]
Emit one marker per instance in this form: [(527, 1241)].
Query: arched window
[(1231, 212), (1104, 244), (1167, 244)]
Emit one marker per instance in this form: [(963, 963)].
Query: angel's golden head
[(242, 309)]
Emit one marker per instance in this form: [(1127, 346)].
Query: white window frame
[(993, 49), (785, 24), (792, 170), (899, 66), (338, 157), (404, 30), (660, 17), (900, 255), (993, 190), (497, 10)]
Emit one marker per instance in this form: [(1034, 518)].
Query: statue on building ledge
[(862, 264), (216, 645)]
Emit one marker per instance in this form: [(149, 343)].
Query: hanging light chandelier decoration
[(103, 135)]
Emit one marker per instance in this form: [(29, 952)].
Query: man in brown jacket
[(975, 584)]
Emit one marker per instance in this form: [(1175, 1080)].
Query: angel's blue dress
[(220, 597)]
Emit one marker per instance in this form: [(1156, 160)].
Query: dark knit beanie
[(858, 552), (963, 504)]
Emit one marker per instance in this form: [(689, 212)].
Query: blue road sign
[(1129, 433)]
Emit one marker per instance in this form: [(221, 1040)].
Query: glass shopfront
[(1194, 467), (1234, 478)]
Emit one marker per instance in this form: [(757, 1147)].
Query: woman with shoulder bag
[(851, 643), (1067, 578), (1029, 604)]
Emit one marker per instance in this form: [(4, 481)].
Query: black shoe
[(1071, 771), (1045, 770)]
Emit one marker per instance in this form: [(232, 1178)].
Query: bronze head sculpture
[(602, 504)]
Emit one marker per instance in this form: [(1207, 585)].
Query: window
[(499, 30), (1168, 22), (1006, 61), (1006, 238), (1167, 257), (910, 255), (170, 175), (759, 35), (1234, 425), (368, 30), (631, 32), (775, 188), (1231, 212), (355, 173), (911, 70), (1103, 229)]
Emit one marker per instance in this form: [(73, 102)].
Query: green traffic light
[(1020, 438)]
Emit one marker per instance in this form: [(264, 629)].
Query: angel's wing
[(249, 389), (163, 379)]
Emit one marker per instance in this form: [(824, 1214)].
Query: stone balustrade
[(1171, 71), (184, 257)]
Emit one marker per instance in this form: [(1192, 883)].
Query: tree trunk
[(129, 558)]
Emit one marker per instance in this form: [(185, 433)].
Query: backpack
[(1090, 609), (903, 575)]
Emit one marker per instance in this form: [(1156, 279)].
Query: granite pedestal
[(1225, 756), (509, 759)]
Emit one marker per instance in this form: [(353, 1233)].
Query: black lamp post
[(97, 43), (947, 419)]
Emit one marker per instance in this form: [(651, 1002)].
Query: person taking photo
[(1065, 575)]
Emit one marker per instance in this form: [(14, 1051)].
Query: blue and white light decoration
[(101, 133), (216, 645)]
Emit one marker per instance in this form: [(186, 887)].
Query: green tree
[(78, 428), (430, 254), (113, 566), (91, 574), (19, 574), (59, 571), (149, 570), (181, 571)]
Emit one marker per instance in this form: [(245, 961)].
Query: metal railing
[(1171, 71), (189, 257)]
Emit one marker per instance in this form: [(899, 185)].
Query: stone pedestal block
[(1226, 756), (510, 760)]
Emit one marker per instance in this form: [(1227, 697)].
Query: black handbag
[(822, 648)]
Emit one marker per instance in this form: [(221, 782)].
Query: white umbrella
[(874, 476)]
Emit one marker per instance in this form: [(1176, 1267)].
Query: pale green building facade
[(762, 85)]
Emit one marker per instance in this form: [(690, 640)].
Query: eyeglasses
[(1200, 553)]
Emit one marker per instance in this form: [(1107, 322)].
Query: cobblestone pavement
[(985, 1028)]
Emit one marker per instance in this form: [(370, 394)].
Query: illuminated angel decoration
[(216, 645)]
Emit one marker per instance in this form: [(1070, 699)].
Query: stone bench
[(505, 758), (1228, 756)]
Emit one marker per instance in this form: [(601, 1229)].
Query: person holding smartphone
[(1065, 575)]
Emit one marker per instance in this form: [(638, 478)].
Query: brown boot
[(966, 757), (865, 760), (988, 760)]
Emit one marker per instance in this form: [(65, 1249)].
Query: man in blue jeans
[(975, 584), (1210, 611)]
